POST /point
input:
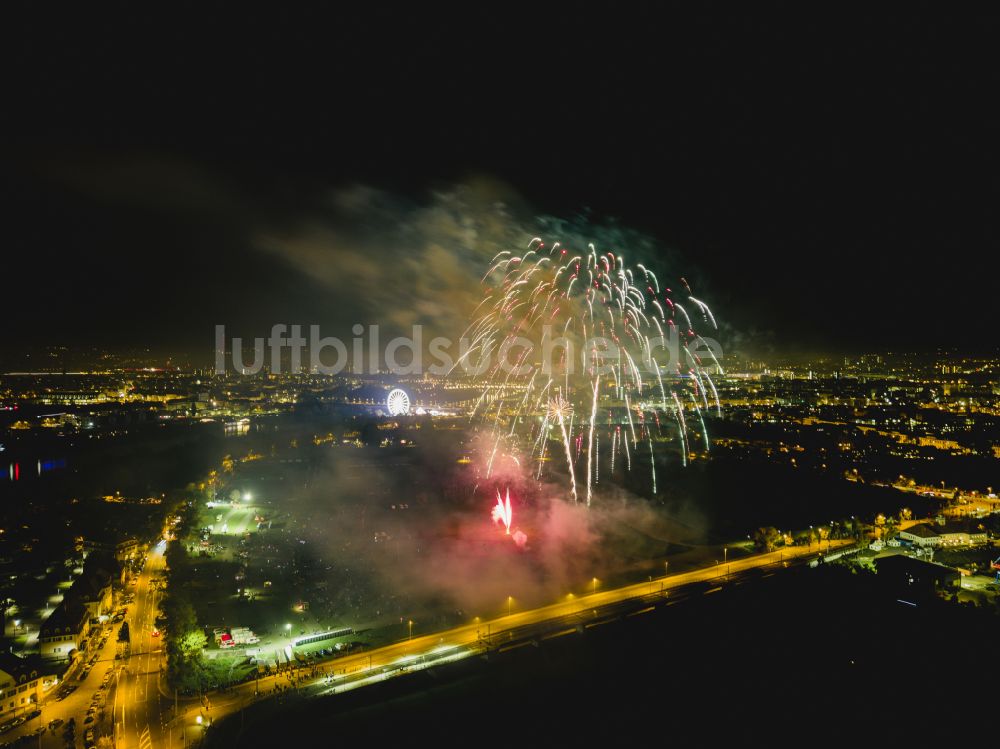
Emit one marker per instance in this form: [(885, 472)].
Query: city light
[(482, 294)]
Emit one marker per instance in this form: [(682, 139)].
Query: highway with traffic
[(140, 698)]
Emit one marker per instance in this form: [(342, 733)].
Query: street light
[(411, 630), (725, 559), (509, 600), (594, 581)]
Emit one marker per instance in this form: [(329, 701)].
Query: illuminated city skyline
[(596, 376)]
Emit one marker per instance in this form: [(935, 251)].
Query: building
[(962, 534), (88, 602), (94, 588), (126, 550), (64, 632), (23, 683), (123, 551), (922, 535)]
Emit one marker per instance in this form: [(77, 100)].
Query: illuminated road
[(378, 664), (137, 701), (144, 715), (140, 706)]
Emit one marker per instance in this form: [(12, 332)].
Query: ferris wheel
[(398, 402)]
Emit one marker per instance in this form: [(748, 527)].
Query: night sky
[(830, 180)]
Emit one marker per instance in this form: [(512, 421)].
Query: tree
[(192, 643), (185, 666), (175, 557), (178, 614), (184, 638), (889, 529), (765, 539)]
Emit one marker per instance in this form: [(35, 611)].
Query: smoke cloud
[(409, 536), (399, 263)]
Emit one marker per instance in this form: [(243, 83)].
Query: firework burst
[(573, 346), (502, 512)]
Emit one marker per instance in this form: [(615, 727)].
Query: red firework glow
[(502, 512)]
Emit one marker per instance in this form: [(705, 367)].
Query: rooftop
[(923, 530)]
